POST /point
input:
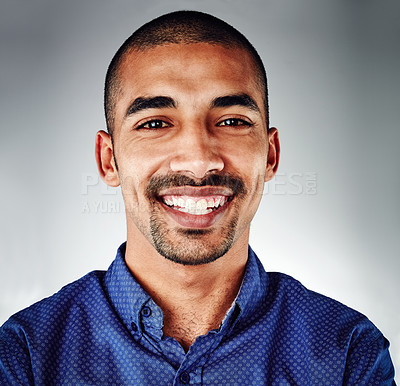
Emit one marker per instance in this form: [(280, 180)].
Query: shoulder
[(38, 331), (330, 331), (282, 286), (315, 309), (44, 314)]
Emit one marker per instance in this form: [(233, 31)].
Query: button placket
[(184, 377), (151, 322), (146, 311), (134, 327), (137, 334)]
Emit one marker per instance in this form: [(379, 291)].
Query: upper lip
[(196, 191)]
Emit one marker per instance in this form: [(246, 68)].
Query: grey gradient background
[(331, 217)]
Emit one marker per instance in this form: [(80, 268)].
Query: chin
[(194, 256), (192, 246)]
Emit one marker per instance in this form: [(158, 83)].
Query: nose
[(197, 153)]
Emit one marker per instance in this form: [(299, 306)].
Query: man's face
[(191, 145)]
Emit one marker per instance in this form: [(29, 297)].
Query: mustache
[(157, 183)]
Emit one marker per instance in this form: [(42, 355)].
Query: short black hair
[(181, 27)]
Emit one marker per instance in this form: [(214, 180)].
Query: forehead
[(198, 71)]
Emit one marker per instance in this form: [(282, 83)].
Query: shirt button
[(146, 311), (184, 377), (134, 327)]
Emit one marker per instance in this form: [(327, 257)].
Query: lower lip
[(194, 221)]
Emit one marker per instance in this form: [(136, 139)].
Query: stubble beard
[(191, 246)]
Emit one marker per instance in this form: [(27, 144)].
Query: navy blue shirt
[(104, 329)]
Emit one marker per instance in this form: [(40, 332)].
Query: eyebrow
[(143, 103), (235, 100), (158, 102)]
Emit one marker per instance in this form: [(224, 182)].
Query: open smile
[(196, 207)]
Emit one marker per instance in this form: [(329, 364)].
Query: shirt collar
[(128, 297), (126, 294), (251, 293)]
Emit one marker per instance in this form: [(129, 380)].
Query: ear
[(273, 153), (105, 159)]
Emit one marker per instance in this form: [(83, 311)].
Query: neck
[(194, 299)]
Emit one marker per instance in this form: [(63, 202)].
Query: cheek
[(250, 164), (247, 151), (131, 180), (134, 161), (143, 157), (129, 192), (253, 172), (135, 170)]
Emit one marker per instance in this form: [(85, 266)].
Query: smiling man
[(186, 301)]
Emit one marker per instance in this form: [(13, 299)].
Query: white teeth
[(195, 211), (201, 207), (190, 204), (202, 204)]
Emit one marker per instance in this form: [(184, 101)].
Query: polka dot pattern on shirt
[(104, 329)]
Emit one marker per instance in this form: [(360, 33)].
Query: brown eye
[(234, 122), (153, 125)]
